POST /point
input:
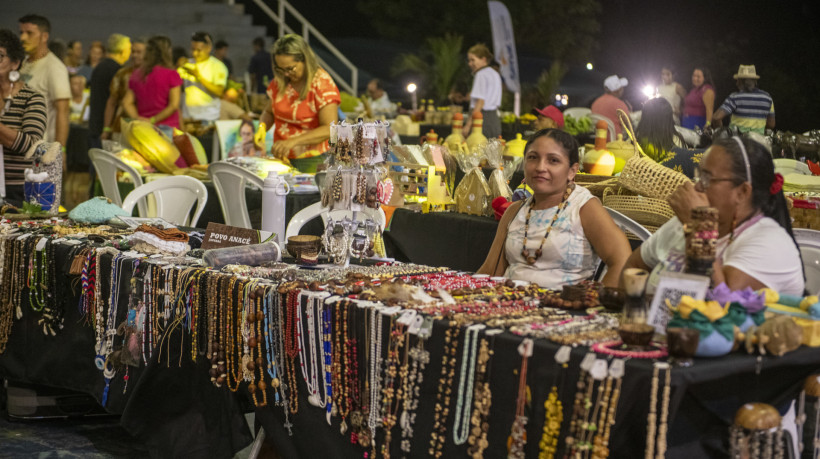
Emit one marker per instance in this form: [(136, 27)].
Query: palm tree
[(439, 65)]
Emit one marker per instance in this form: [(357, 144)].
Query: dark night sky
[(638, 36)]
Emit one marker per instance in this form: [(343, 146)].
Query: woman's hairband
[(745, 159)]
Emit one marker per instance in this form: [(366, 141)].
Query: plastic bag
[(493, 152)]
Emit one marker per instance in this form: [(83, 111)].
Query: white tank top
[(667, 91), (567, 256)]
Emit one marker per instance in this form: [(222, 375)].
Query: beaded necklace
[(270, 339), (482, 399), (292, 348), (525, 252), (392, 383), (282, 359), (609, 404), (420, 358), (553, 409), (518, 433), (6, 306), (328, 357), (376, 337), (445, 383), (464, 395), (311, 376)]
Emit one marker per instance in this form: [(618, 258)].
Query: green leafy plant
[(440, 64), (33, 209)]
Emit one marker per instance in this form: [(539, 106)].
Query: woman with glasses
[(755, 247), (22, 116), (304, 100)]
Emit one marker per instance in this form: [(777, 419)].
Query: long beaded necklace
[(461, 428), (609, 405), (376, 337), (445, 383), (525, 252), (311, 377), (420, 358), (482, 400), (110, 330), (292, 347), (328, 358), (271, 353), (651, 426), (553, 409), (392, 389), (580, 406), (6, 306), (339, 375), (518, 432), (282, 359)]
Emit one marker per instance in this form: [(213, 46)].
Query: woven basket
[(804, 213), (649, 212), (643, 175), (596, 184)]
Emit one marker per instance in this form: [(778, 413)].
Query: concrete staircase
[(89, 20)]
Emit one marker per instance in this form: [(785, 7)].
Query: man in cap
[(548, 117), (608, 104), (752, 109)]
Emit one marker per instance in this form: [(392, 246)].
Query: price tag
[(391, 310), (562, 356), (616, 370), (426, 328), (369, 131), (493, 332), (589, 359), (415, 325), (407, 317), (41, 244), (599, 369), (525, 348)]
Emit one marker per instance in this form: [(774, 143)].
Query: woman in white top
[(485, 96), (672, 91), (555, 237), (756, 247)]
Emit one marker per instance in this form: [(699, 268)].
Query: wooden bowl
[(636, 334), (612, 298), (304, 248)]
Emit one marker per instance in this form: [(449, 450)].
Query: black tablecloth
[(459, 241), (704, 399), (77, 148), (175, 410)]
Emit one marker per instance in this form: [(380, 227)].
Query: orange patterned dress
[(293, 116)]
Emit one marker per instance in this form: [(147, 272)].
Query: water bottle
[(274, 193)]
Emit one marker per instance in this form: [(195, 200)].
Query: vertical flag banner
[(504, 44)]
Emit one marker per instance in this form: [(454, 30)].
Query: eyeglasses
[(285, 70), (705, 180)]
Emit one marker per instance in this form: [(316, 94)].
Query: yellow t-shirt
[(201, 104)]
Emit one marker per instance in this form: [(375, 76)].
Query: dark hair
[(177, 53), (202, 37), (72, 43), (57, 47), (378, 83), (221, 44), (657, 126), (762, 171), (746, 84), (564, 139), (707, 75), (14, 47), (669, 67), (259, 41), (157, 52), (41, 22)]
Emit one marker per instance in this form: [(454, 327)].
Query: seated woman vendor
[(555, 237), (756, 247)]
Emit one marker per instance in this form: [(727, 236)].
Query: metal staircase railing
[(308, 32)]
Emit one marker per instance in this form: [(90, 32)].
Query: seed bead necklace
[(461, 428), (525, 252)]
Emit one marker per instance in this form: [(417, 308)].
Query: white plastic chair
[(577, 112), (791, 166), (174, 196), (316, 210), (626, 224), (107, 164), (809, 242), (229, 181), (594, 117)]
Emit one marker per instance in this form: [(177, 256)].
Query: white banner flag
[(504, 44)]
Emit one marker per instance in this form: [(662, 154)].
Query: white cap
[(613, 83)]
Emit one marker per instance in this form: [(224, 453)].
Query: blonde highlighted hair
[(481, 51), (294, 46)]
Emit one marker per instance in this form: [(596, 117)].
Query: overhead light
[(411, 87), (649, 91), (589, 65)]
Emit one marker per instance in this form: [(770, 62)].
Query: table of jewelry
[(376, 361)]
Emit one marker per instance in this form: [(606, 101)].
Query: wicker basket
[(596, 184), (804, 213), (643, 175), (649, 212)]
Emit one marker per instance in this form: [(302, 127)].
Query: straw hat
[(614, 83), (746, 71)]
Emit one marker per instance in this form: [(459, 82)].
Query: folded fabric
[(98, 209), (173, 247), (167, 234), (748, 298)]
